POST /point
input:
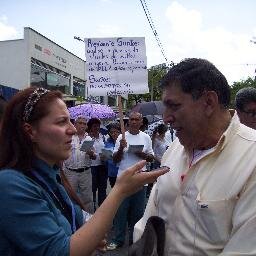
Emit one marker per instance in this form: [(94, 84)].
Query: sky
[(220, 30)]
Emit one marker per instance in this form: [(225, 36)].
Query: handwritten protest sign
[(116, 66)]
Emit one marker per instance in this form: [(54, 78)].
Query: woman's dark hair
[(114, 125), (16, 149), (162, 128), (91, 122)]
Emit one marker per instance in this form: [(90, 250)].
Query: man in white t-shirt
[(77, 166), (127, 153)]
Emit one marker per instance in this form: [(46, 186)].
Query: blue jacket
[(30, 222), (112, 167)]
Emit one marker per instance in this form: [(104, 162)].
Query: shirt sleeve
[(242, 240), (117, 144), (26, 219)]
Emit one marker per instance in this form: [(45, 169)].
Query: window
[(42, 77), (78, 87)]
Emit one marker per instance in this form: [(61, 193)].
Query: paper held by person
[(107, 153), (135, 148), (87, 145)]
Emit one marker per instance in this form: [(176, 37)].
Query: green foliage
[(249, 82), (155, 74)]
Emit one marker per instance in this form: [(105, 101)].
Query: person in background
[(98, 168), (144, 125), (159, 147), (37, 217), (77, 166), (169, 136), (159, 144), (245, 103), (131, 210), (114, 131), (208, 199)]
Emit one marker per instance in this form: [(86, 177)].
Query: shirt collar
[(230, 131), (45, 169)]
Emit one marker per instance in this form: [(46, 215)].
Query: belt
[(79, 169)]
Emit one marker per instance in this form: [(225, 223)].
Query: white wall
[(14, 64), (54, 54)]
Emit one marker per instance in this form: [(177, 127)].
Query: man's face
[(186, 116), (248, 115), (81, 125), (135, 122)]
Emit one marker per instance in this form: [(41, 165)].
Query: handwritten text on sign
[(116, 66)]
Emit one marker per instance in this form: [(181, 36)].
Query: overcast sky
[(218, 30)]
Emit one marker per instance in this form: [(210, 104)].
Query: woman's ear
[(30, 131)]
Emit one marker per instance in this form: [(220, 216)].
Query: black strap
[(58, 200)]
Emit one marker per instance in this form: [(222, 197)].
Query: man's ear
[(30, 131), (211, 102)]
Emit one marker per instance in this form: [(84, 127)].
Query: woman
[(98, 168), (37, 216), (159, 143), (114, 130)]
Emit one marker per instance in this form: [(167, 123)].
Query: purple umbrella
[(91, 110)]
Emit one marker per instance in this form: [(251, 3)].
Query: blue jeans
[(130, 211)]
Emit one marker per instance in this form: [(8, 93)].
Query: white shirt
[(160, 147), (78, 159), (130, 159), (169, 138), (98, 145), (212, 209)]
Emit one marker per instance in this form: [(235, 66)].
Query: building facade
[(36, 60)]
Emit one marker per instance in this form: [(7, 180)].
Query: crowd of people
[(55, 172)]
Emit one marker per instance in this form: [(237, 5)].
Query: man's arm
[(118, 155)]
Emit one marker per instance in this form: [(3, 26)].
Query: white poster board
[(116, 66)]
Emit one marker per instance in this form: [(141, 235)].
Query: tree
[(155, 74), (249, 82)]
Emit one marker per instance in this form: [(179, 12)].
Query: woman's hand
[(102, 247), (131, 180)]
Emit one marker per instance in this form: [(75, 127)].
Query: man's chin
[(185, 143)]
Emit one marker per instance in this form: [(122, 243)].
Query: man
[(246, 106), (208, 198), (77, 167), (132, 208)]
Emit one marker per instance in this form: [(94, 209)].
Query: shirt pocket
[(215, 217)]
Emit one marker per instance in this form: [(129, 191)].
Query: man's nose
[(168, 117)]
